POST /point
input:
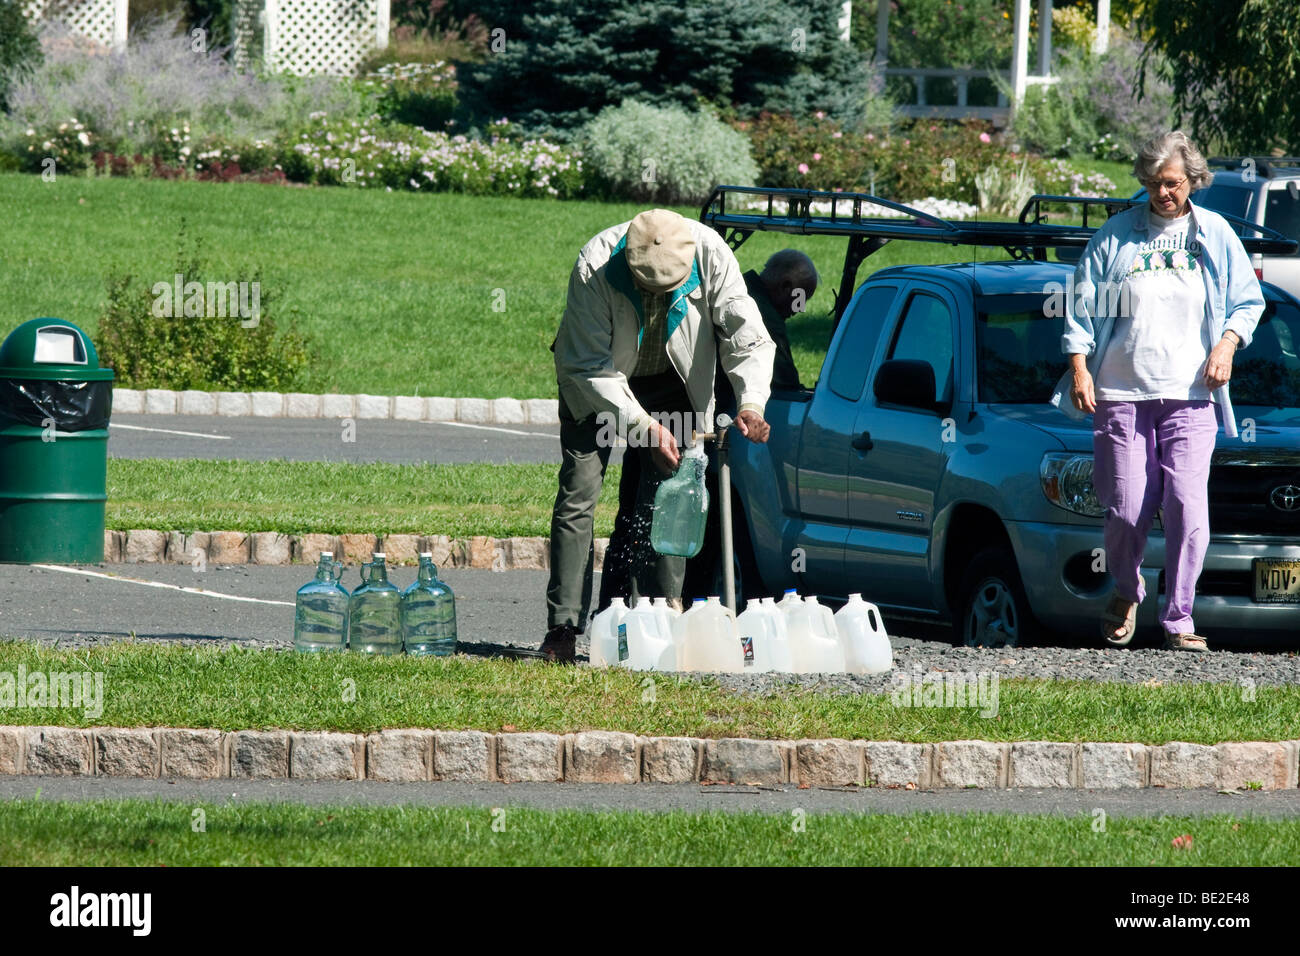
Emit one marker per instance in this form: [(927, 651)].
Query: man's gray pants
[(573, 556), (635, 569)]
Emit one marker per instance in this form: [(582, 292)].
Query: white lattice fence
[(102, 20), (323, 36)]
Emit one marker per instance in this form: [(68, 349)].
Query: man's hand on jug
[(752, 426), (663, 449)]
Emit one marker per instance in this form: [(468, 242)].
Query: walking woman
[(1164, 295)]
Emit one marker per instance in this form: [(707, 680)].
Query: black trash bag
[(68, 406)]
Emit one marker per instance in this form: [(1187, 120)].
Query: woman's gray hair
[(1159, 150)]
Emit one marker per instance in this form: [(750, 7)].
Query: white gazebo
[(310, 36), (103, 21), (1020, 78)]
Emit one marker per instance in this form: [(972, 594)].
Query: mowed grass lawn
[(395, 290), (340, 497), (155, 833), (235, 689)]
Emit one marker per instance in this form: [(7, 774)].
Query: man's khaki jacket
[(710, 316)]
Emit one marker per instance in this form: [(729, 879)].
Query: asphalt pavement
[(329, 439), (251, 605)]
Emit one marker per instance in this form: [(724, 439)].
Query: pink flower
[(870, 137), (803, 168), (816, 157), (820, 115), (985, 138), (836, 135)]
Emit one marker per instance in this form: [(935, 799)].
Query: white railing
[(962, 109)]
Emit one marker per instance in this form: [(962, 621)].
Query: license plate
[(1275, 581)]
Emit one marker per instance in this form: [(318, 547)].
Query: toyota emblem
[(1285, 497)]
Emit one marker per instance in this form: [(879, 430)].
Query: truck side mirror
[(907, 382)]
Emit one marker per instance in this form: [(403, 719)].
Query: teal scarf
[(619, 274)]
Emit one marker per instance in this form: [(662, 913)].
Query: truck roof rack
[(1264, 165), (736, 212)]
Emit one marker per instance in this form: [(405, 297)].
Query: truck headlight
[(1066, 480)]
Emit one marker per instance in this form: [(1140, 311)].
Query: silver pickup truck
[(927, 470)]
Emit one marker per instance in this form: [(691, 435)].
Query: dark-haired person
[(783, 288)]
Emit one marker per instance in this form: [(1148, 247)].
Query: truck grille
[(1244, 499)]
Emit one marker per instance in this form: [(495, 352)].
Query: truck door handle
[(863, 442)]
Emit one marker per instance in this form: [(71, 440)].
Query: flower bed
[(405, 157)]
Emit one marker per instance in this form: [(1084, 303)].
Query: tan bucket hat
[(660, 250)]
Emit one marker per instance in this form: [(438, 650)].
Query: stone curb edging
[(142, 546), (413, 408), (599, 756)]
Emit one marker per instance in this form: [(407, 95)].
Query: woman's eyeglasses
[(1170, 184)]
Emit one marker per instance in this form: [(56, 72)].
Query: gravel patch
[(917, 657)]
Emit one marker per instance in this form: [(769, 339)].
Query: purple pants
[(1148, 455)]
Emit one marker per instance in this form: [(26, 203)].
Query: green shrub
[(918, 160), (20, 51), (238, 352), (664, 155), (1098, 107), (1003, 191), (557, 63), (68, 142), (415, 94), (160, 98)]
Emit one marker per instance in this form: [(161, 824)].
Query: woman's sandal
[(1185, 642), (1113, 622)]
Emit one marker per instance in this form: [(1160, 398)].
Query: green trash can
[(55, 402)]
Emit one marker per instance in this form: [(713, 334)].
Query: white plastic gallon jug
[(667, 614), (710, 641), (649, 646), (814, 649), (757, 636), (781, 660), (604, 634), (679, 624), (863, 637)]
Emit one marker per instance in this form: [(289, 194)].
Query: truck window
[(1283, 213), (1018, 349), (853, 354), (1233, 200), (925, 334), (1267, 372)]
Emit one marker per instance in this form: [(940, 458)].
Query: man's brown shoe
[(560, 646)]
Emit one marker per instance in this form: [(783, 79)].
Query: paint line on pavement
[(168, 431), (494, 428), (619, 443), (160, 584)]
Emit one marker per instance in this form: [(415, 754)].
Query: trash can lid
[(51, 350)]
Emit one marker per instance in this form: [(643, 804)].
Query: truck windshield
[(1020, 356)]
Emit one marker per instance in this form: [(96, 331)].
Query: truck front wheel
[(994, 610)]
